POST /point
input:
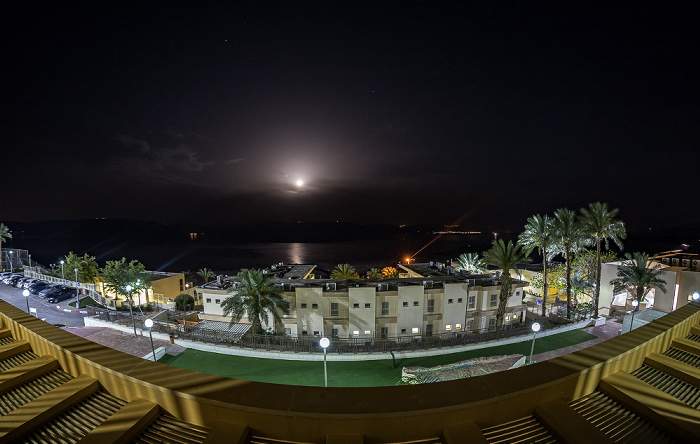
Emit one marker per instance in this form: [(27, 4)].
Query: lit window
[(458, 326), (415, 330), (448, 327), (367, 332), (356, 332), (507, 318), (515, 317), (287, 331)]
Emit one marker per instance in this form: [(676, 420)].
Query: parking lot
[(49, 312)]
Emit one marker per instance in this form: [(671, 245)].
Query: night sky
[(479, 113)]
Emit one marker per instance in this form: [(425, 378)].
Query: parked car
[(50, 290), (13, 279), (18, 283), (37, 286), (28, 282), (5, 275), (62, 295)]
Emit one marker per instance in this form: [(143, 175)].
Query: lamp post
[(324, 343), (30, 261), (635, 303), (696, 296), (149, 324), (131, 309), (25, 293), (77, 290), (12, 270), (535, 329), (62, 275)]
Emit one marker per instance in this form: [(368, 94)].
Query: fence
[(89, 290), (223, 333)]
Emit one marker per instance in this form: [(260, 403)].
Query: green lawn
[(345, 373), (85, 301)]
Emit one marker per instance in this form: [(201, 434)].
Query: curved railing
[(438, 411)]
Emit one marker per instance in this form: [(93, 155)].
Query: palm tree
[(471, 263), (600, 225), (568, 238), (506, 257), (344, 271), (374, 273), (580, 285), (538, 234), (207, 274), (638, 276), (4, 235), (256, 294)]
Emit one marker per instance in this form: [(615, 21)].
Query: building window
[(287, 331), (415, 330), (334, 333), (355, 305), (458, 326), (182, 285), (507, 318), (449, 301), (303, 305), (208, 300), (403, 330), (492, 323), (459, 300), (429, 330), (334, 309), (415, 303), (515, 317), (431, 305), (405, 304), (368, 332), (472, 301), (314, 305), (304, 332), (356, 332), (218, 301), (494, 300), (316, 333), (368, 305), (385, 308), (385, 332), (448, 327)]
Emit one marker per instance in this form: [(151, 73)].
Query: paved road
[(44, 310)]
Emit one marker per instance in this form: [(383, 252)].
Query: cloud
[(232, 161), (130, 141)]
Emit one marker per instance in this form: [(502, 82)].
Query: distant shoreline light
[(456, 232)]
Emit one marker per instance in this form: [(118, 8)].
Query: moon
[(300, 183)]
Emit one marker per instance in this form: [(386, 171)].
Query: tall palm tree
[(568, 238), (638, 276), (538, 234), (4, 235), (599, 223), (207, 274), (471, 263), (344, 271), (506, 257), (257, 296)]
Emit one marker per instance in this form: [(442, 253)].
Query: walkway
[(610, 329)]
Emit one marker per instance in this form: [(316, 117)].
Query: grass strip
[(350, 373)]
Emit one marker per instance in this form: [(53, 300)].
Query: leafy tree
[(256, 294), (538, 234), (206, 274), (118, 274), (569, 238), (580, 285), (390, 273), (374, 273), (471, 263), (638, 275), (183, 300), (506, 257), (599, 223), (86, 265), (344, 271), (4, 235)]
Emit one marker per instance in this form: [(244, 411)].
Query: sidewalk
[(121, 341), (610, 329)]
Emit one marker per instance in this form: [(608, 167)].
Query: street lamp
[(149, 324), (77, 290), (634, 308), (131, 310), (696, 296), (535, 329), (25, 293), (12, 270), (62, 275), (30, 261), (324, 343)]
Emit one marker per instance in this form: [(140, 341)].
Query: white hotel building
[(423, 305)]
